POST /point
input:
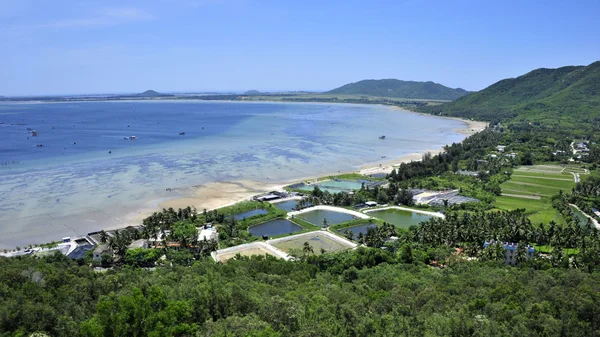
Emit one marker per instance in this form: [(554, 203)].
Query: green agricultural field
[(531, 182), (537, 210)]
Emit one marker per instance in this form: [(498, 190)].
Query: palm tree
[(307, 249), (103, 236)]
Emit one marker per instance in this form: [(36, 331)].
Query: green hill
[(151, 93), (567, 94), (400, 89), (252, 93)]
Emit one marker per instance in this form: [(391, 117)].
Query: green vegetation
[(353, 293), (541, 182), (419, 284), (400, 89), (567, 97)]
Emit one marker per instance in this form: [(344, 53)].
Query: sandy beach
[(221, 194)]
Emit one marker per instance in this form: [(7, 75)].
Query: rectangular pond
[(316, 240), (336, 186), (316, 217), (274, 227), (247, 214), (357, 229), (287, 205), (400, 218), (243, 251)]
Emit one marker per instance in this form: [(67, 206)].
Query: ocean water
[(72, 184)]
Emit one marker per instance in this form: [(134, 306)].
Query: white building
[(208, 234)]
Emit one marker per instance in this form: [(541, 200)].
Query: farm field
[(532, 187)]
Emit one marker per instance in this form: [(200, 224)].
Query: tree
[(406, 255), (185, 233), (307, 249), (521, 253)]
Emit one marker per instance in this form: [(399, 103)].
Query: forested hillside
[(367, 292), (400, 89), (568, 94)]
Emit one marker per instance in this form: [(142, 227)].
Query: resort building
[(101, 250), (510, 251), (141, 243), (208, 234)]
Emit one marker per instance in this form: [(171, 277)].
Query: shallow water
[(73, 185), (274, 227), (400, 218), (316, 217)]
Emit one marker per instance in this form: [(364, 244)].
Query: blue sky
[(84, 46)]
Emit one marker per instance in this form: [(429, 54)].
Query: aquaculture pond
[(316, 217), (336, 186), (274, 227), (318, 241), (400, 218), (287, 205), (247, 214), (357, 229), (577, 214)]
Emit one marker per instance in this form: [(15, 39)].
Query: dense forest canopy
[(400, 89)]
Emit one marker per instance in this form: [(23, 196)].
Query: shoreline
[(214, 195)]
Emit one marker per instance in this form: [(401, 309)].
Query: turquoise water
[(73, 185), (316, 217), (274, 227), (247, 214), (287, 205), (400, 218)]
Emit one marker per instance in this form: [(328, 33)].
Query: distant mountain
[(400, 89), (571, 92), (252, 93), (152, 93)]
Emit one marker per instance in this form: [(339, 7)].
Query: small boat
[(381, 137), (39, 145), (132, 138), (182, 133)]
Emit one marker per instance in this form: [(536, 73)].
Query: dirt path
[(532, 184), (534, 197), (525, 176)]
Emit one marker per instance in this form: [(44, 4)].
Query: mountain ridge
[(400, 89), (571, 92)]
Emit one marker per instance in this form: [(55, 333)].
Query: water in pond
[(577, 214), (336, 186), (274, 227), (316, 217), (245, 215), (287, 205), (400, 218), (357, 229)]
